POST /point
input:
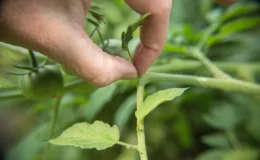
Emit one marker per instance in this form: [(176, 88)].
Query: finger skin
[(55, 28), (153, 32)]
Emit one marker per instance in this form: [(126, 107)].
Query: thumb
[(64, 40), (78, 52), (92, 64)]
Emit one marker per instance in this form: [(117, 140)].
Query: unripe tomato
[(45, 83)]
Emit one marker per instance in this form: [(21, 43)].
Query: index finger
[(153, 31)]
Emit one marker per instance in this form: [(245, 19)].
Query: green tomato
[(43, 84)]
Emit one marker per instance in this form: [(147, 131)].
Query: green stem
[(218, 73), (92, 33), (129, 54), (208, 34), (25, 68), (128, 145), (101, 39), (224, 84), (191, 65), (55, 116), (140, 124)]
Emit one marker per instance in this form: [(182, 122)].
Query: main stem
[(140, 124)]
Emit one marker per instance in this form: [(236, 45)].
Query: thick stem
[(193, 65), (140, 124), (208, 34), (218, 73), (224, 84), (55, 116)]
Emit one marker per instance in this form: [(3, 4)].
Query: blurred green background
[(203, 124)]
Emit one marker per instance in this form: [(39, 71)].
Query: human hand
[(56, 29)]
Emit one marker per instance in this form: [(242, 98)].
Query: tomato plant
[(206, 84)]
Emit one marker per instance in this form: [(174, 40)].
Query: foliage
[(214, 53)]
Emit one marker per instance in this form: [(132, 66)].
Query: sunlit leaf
[(152, 101), (240, 9), (98, 135), (216, 140)]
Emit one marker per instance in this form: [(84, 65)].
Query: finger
[(70, 46), (89, 62), (153, 32)]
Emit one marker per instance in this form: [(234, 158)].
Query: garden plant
[(200, 99)]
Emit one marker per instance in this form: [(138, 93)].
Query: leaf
[(239, 25), (29, 146), (211, 155), (10, 94), (4, 83), (252, 122), (98, 135), (98, 100), (216, 140), (125, 110), (242, 154), (240, 9), (223, 117), (152, 101), (128, 35)]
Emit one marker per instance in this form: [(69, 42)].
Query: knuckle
[(166, 5), (162, 6)]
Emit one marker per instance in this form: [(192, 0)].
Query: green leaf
[(10, 94), (216, 140), (128, 35), (211, 155), (152, 101), (239, 25), (98, 100), (4, 83), (223, 117), (242, 154), (98, 135), (240, 9), (29, 146), (125, 110)]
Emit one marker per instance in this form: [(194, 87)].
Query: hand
[(56, 29)]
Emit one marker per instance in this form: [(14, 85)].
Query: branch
[(191, 65), (224, 84)]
